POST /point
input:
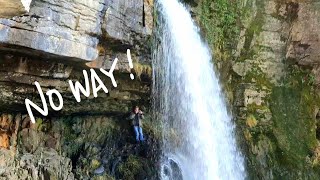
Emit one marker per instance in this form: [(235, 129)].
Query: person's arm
[(131, 116), (141, 115)]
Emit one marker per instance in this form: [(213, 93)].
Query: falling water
[(198, 134)]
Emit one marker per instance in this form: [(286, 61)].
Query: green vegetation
[(294, 130), (287, 144), (293, 126), (134, 168), (72, 145), (219, 21), (142, 69)]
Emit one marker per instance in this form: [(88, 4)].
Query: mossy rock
[(95, 164), (135, 167), (294, 127)]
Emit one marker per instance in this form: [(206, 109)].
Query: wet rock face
[(75, 29)]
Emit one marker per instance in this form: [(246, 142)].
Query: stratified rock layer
[(75, 29)]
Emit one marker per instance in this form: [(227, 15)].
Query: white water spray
[(26, 4), (198, 134)]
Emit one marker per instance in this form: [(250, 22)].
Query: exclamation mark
[(130, 63)]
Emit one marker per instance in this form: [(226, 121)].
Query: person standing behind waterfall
[(136, 116)]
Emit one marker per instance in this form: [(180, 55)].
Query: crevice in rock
[(143, 15), (318, 125), (292, 10)]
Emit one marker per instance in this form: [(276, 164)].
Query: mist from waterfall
[(198, 133)]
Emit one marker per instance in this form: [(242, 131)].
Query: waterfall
[(198, 134)]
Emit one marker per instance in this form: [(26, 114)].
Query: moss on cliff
[(218, 19), (294, 133), (134, 168), (293, 127)]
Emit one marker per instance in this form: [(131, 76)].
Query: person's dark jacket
[(136, 119)]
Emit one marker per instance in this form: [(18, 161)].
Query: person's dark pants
[(138, 133)]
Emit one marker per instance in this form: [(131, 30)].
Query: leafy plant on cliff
[(218, 18)]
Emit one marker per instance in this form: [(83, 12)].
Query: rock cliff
[(267, 54), (53, 43)]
